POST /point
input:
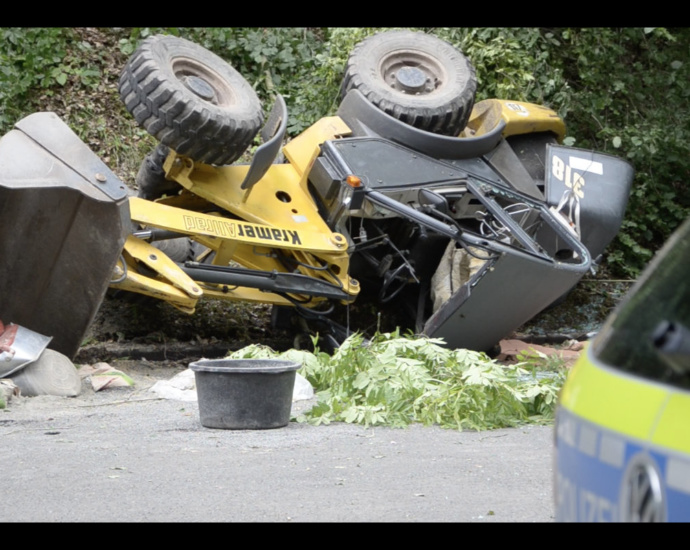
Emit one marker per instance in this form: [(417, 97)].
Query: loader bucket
[(64, 217)]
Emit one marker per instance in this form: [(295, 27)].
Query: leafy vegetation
[(621, 91), (395, 381)]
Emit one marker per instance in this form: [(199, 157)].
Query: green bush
[(630, 98), (32, 59)]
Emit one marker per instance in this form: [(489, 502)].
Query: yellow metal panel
[(253, 245), (193, 223), (135, 282), (300, 151), (484, 118), (613, 400), (186, 200), (520, 118), (279, 199), (160, 263)]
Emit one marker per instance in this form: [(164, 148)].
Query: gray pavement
[(124, 455)]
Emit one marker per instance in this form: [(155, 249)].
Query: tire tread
[(447, 118), (181, 120)]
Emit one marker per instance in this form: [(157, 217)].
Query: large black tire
[(415, 77), (190, 100), (151, 181)]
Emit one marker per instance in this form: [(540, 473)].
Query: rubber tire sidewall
[(178, 118), (445, 111)]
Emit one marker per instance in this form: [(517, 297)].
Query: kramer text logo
[(223, 228)]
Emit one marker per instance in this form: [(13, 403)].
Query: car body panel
[(609, 399), (673, 430), (595, 469), (622, 433)]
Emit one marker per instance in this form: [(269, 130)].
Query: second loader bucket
[(64, 217)]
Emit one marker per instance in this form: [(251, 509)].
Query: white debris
[(182, 387), (303, 389)]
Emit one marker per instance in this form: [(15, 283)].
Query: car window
[(649, 333)]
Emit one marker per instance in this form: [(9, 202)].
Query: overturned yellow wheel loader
[(466, 219)]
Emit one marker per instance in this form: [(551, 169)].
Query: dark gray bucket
[(244, 394)]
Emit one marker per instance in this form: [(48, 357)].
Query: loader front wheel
[(415, 77), (190, 99), (151, 181)]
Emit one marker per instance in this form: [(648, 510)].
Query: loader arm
[(270, 226), (323, 260)]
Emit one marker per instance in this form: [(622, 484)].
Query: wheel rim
[(203, 82), (412, 72)]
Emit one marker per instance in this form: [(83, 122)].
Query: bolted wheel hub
[(410, 79), (199, 87)]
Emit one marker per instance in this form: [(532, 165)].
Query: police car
[(623, 425)]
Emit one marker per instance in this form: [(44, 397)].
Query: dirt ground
[(150, 340), (136, 327)]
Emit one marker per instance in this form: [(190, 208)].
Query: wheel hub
[(410, 79), (199, 87)]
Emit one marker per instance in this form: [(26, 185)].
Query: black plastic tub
[(244, 394)]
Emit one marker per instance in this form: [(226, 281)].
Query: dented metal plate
[(19, 346)]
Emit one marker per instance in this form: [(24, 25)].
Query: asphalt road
[(127, 457)]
